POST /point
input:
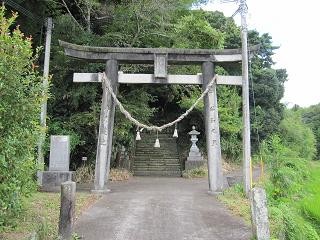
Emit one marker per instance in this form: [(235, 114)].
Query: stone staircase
[(151, 161)]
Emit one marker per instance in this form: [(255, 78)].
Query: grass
[(202, 171), (85, 174), (235, 200), (41, 215), (119, 174), (301, 211), (310, 204), (199, 172)]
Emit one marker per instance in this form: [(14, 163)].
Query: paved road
[(146, 208)]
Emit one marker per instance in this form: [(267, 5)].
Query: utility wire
[(24, 11), (253, 96)]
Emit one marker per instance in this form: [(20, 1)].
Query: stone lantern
[(194, 159)]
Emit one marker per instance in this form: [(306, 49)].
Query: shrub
[(21, 95), (287, 170), (119, 174), (84, 174)]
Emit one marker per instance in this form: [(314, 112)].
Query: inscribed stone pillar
[(104, 145), (212, 131), (112, 74), (259, 214)]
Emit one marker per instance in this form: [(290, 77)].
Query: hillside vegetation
[(292, 181)]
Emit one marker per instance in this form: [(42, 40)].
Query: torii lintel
[(148, 55)]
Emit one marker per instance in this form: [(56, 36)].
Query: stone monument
[(58, 164), (259, 214), (194, 159)]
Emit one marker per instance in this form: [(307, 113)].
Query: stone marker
[(194, 159), (259, 211), (67, 210), (58, 164), (59, 153)]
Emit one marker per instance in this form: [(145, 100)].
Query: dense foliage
[(311, 116), (21, 94)]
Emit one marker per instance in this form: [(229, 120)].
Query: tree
[(297, 135), (21, 93), (266, 90), (311, 116)]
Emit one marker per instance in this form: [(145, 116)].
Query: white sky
[(295, 27)]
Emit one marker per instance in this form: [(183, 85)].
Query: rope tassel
[(175, 133), (138, 137), (157, 143)]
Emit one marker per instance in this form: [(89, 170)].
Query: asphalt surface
[(150, 208)]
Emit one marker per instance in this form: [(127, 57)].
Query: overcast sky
[(295, 27)]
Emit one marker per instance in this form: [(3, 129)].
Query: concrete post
[(104, 146), (43, 115), (67, 210), (212, 131), (245, 101)]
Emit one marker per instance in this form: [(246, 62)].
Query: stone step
[(152, 141), (158, 160), (163, 148), (151, 161), (137, 162), (156, 156), (146, 168), (156, 152), (153, 149), (157, 164), (158, 173)]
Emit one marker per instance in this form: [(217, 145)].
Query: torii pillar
[(104, 146), (212, 131)]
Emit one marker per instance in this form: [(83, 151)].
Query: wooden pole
[(43, 115), (212, 131), (104, 145), (245, 100), (67, 210)]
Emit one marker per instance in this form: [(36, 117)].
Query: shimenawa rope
[(106, 82)]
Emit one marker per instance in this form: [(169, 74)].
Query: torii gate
[(160, 57)]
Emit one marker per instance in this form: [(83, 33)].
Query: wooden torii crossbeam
[(161, 58)]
